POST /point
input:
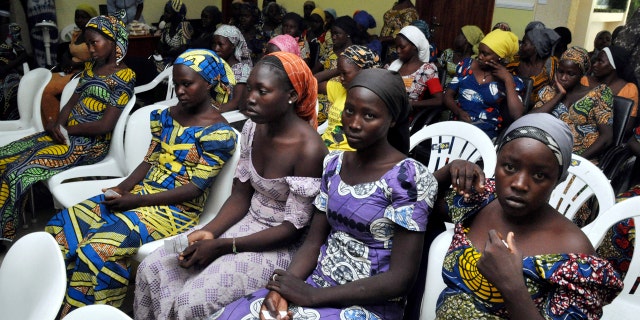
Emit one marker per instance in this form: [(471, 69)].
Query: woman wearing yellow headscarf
[(487, 94)]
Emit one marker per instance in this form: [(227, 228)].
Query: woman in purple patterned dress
[(259, 227), (365, 242)]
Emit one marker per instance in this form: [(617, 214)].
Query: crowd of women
[(329, 226)]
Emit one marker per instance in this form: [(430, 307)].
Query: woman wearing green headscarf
[(465, 45)]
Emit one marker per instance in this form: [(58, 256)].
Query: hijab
[(212, 69)]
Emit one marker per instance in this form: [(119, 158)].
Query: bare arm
[(239, 92), (435, 101)]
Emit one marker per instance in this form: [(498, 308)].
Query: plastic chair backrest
[(33, 278), (67, 33), (30, 92), (434, 283), (116, 148), (68, 90), (451, 140), (621, 113), (97, 312), (584, 181), (165, 75), (138, 136), (627, 304)]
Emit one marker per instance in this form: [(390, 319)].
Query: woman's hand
[(464, 116), (202, 252), (126, 201), (559, 88), (199, 235), (274, 303), (501, 262), (499, 71), (114, 189), (53, 130), (291, 288), (466, 177)]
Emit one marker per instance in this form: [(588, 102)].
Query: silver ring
[(273, 277)]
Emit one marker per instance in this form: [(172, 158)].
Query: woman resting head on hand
[(517, 256), (259, 226), (364, 245)]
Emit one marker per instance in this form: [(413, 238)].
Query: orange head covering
[(304, 83)]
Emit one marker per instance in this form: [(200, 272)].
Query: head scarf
[(534, 25), (303, 82), (619, 59), (311, 3), (389, 87), (551, 131), (419, 40), (211, 68), (332, 12), (474, 35), (423, 26), (503, 43), (241, 53), (113, 29), (286, 43), (543, 40), (362, 56), (364, 19), (178, 7), (579, 56), (319, 12), (502, 26), (88, 9)]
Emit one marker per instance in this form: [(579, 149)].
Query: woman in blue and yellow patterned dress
[(162, 197), (105, 87), (544, 267)]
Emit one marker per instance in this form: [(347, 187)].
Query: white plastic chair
[(584, 181), (29, 99), (434, 284), (165, 75), (97, 312), (451, 140), (33, 279), (627, 304), (67, 33)]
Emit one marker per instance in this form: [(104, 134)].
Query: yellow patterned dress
[(97, 242), (37, 157)]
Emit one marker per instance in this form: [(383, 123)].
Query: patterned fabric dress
[(359, 245), (98, 242), (9, 51), (562, 285), (544, 78), (584, 115), (37, 157), (164, 290), (484, 102), (334, 137), (424, 79)]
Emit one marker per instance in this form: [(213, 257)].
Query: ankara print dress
[(359, 245)]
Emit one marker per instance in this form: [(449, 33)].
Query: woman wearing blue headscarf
[(162, 197)]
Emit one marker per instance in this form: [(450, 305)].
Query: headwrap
[(389, 87), (303, 82), (362, 56), (543, 40), (503, 43), (177, 6), (423, 26), (546, 128), (212, 69), (242, 53), (306, 3), (88, 9), (619, 59), (286, 43), (474, 35), (502, 26), (332, 12), (579, 56), (418, 39), (364, 19), (534, 25), (113, 29), (319, 12)]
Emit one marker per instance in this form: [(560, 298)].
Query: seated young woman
[(162, 197), (512, 254), (105, 87), (260, 225), (587, 111), (231, 46), (487, 94), (365, 242)]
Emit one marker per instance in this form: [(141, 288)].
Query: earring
[(290, 102)]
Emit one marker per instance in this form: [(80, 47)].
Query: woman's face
[(568, 74), (526, 174), (274, 14), (290, 27), (460, 43), (100, 48), (245, 18), (348, 70), (365, 118), (406, 50), (603, 39), (527, 49), (169, 14), (315, 23), (340, 38), (485, 54), (267, 96), (602, 66), (207, 19), (223, 47), (81, 18), (191, 89)]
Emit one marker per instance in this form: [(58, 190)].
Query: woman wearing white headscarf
[(417, 72), (230, 45)]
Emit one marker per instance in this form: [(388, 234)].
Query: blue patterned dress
[(98, 242), (359, 245)]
